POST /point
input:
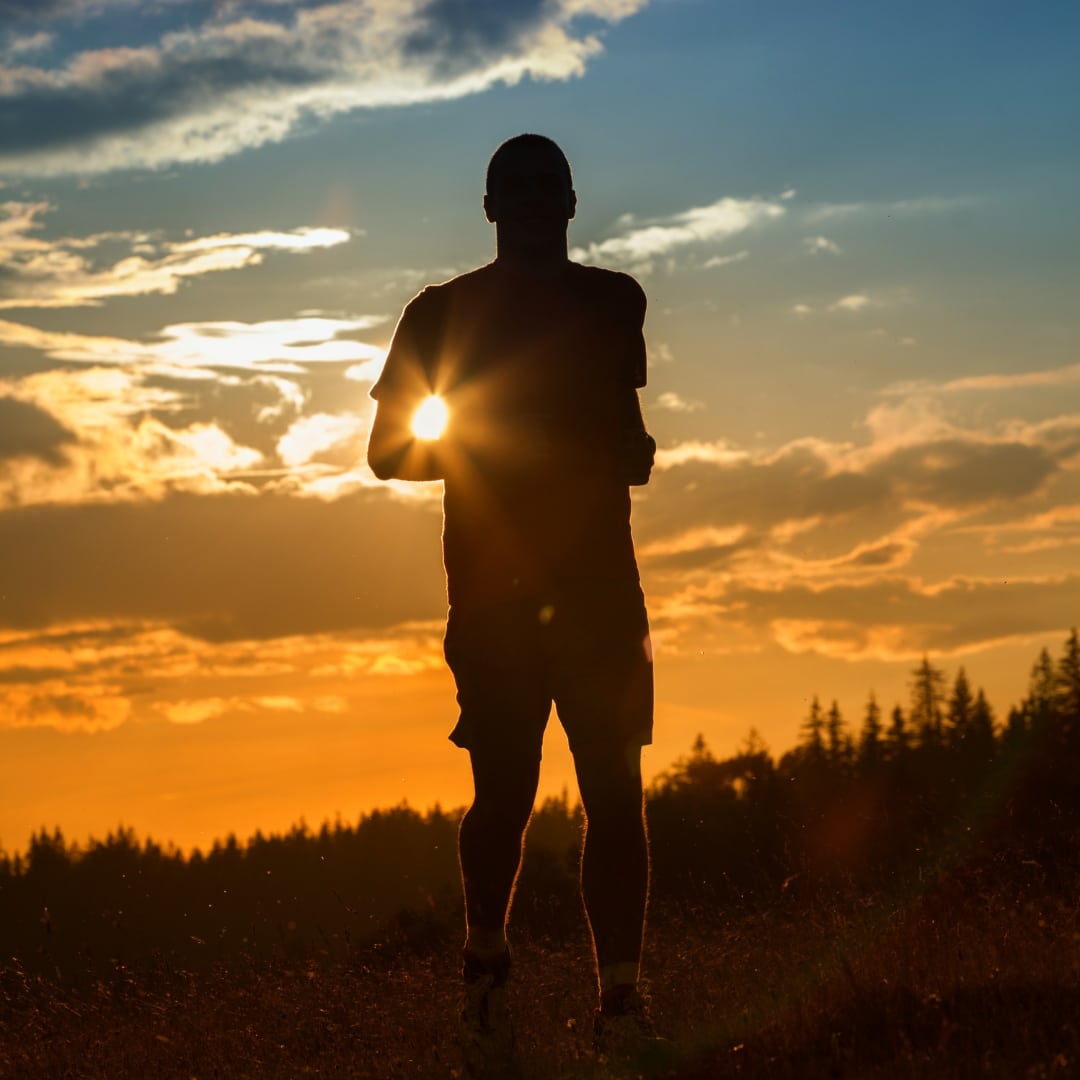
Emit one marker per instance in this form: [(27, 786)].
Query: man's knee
[(609, 779), (504, 789)]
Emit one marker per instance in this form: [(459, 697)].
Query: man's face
[(531, 192)]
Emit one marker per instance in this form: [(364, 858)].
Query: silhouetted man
[(538, 361)]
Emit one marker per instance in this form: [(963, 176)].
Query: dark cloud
[(19, 12), (960, 473), (460, 32), (960, 614), (28, 431), (144, 93), (801, 483), (225, 567)]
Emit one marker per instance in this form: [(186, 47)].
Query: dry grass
[(959, 983)]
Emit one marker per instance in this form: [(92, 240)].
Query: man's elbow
[(384, 466)]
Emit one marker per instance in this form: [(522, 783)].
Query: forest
[(895, 896)]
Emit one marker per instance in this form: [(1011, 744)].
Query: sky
[(856, 225)]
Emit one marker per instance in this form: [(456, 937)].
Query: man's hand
[(638, 452)]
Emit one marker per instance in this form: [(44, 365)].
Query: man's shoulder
[(612, 290), (468, 281), (614, 283)]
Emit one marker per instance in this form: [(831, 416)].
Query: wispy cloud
[(824, 213), (1017, 380), (70, 271), (234, 76), (640, 244)]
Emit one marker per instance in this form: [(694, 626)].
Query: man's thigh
[(504, 693), (602, 673)]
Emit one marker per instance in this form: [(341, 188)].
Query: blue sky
[(856, 226)]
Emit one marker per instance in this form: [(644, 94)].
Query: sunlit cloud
[(185, 350), (1018, 380), (716, 261), (96, 676), (62, 272), (852, 302), (249, 74), (817, 245), (641, 244), (311, 436), (670, 401)]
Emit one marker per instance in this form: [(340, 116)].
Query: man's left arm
[(638, 447)]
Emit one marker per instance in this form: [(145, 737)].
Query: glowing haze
[(857, 229)]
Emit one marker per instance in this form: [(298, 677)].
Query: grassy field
[(956, 980)]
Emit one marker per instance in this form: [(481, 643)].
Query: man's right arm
[(394, 452)]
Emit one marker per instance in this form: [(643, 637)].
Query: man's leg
[(490, 843), (489, 848), (615, 860)]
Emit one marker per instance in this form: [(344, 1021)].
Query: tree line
[(890, 799)]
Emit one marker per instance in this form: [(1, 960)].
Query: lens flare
[(429, 420)]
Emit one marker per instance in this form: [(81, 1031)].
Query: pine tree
[(813, 728), (927, 697), (960, 713), (1068, 690), (871, 750), (838, 740), (981, 736), (898, 739), (1039, 705)]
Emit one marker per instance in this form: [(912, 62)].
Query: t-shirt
[(540, 377)]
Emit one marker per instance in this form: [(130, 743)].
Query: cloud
[(640, 244), (95, 676), (817, 245), (250, 73), (1019, 380), (716, 261), (824, 213), (29, 431), (670, 401), (67, 271), (193, 350), (18, 47), (225, 567), (852, 302)]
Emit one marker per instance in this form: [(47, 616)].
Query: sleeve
[(407, 370), (406, 379)]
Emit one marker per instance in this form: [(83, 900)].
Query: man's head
[(529, 185)]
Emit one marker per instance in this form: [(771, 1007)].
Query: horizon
[(855, 229)]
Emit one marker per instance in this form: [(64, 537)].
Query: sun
[(429, 420)]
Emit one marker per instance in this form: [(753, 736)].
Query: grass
[(959, 980)]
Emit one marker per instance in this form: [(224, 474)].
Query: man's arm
[(394, 452), (638, 448)]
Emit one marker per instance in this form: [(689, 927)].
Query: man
[(537, 361)]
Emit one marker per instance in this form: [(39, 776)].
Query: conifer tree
[(1068, 689), (871, 750), (981, 738), (813, 732), (1040, 702), (898, 739), (960, 714), (838, 740), (927, 698)]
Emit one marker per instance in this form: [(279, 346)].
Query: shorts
[(586, 650)]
